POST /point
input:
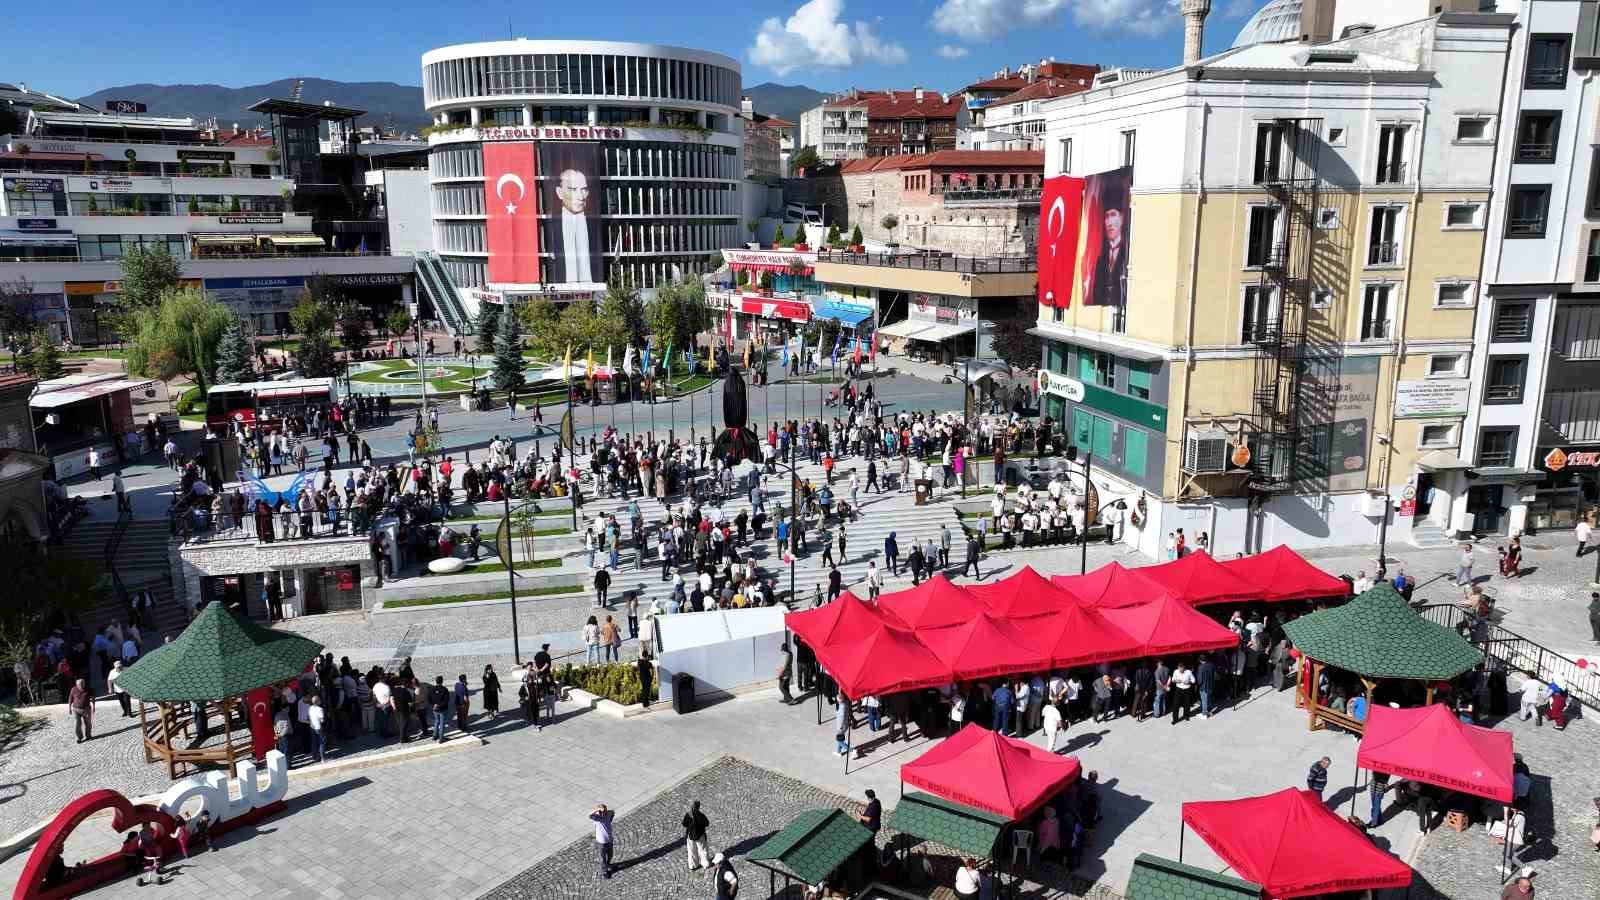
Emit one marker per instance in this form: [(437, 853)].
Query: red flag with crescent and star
[(1060, 222), (511, 195)]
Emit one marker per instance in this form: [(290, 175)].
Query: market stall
[(1198, 579), (1282, 574)]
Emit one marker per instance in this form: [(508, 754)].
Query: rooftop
[(1040, 90), (279, 107), (111, 120), (971, 159)]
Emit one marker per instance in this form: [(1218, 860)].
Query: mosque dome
[(1279, 20)]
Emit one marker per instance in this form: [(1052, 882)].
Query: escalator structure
[(435, 281)]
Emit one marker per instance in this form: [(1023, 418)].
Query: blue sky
[(75, 47)]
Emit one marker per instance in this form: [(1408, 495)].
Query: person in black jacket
[(695, 825), (439, 705)]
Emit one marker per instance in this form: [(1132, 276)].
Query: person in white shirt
[(574, 256), (967, 878), (316, 716), (1583, 530), (382, 706), (1363, 583), (1533, 696), (874, 580), (1052, 726)]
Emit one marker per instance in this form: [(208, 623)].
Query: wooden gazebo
[(216, 661), (1376, 636)]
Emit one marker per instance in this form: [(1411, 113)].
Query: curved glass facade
[(666, 207)]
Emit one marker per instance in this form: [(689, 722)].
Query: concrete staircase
[(1430, 537), (143, 563)]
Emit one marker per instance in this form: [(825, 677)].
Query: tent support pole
[(849, 732), (1182, 827), (1355, 786)]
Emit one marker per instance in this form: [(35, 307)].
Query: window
[(1536, 136), (1261, 244), (1376, 307), (1066, 156), (1328, 218), (1321, 298), (1383, 238), (1513, 321), (1129, 144), (1591, 259), (1452, 293), (1269, 148), (1438, 435), (1527, 211), (1447, 365), (1547, 61), (1473, 130), (1504, 380), (1097, 368), (1392, 154), (1464, 216), (1259, 313), (1139, 378), (1497, 446), (1592, 208), (1335, 137), (1135, 451), (1091, 433)]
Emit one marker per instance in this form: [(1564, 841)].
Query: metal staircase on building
[(1279, 413), (435, 281), (135, 555)]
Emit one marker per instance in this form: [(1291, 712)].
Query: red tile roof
[(1042, 89), (1018, 81), (775, 122), (905, 105), (940, 159)]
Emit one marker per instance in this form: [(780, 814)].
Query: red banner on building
[(511, 200), (1060, 220), (775, 308)]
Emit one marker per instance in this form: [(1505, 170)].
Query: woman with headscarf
[(491, 691)]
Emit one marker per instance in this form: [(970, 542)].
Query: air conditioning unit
[(1205, 451)]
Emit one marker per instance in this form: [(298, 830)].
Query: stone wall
[(198, 560)]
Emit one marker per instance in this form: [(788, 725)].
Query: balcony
[(1383, 253), (1525, 226), (1547, 76), (1535, 152), (991, 196), (1377, 330), (1392, 173), (934, 262)]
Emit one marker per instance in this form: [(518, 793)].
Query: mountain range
[(397, 105)]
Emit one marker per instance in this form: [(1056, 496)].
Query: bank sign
[(1560, 458), (1060, 386)]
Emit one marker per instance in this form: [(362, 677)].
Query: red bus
[(267, 402)]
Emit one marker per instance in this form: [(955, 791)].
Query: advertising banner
[(1338, 396), (36, 185), (112, 184), (510, 186), (1429, 398), (1061, 214), (571, 191), (775, 261), (250, 219), (1106, 226)]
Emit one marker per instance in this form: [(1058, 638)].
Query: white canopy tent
[(725, 650)]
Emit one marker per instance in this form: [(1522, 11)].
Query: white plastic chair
[(1022, 842)]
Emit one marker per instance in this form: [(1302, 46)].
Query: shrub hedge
[(617, 682)]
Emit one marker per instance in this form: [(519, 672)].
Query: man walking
[(80, 700), (602, 583), (1317, 778), (944, 546), (695, 824), (1583, 530), (1594, 615), (725, 881), (785, 670), (1464, 565), (602, 819), (974, 550)]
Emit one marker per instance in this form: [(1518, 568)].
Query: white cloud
[(814, 37), (949, 51), (1238, 9), (988, 19)]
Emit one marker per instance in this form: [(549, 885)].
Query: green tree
[(679, 314), (833, 235), (508, 364), (805, 158), (398, 322), (313, 319), (1014, 344), (890, 223), (622, 304), (488, 324), (353, 332), (235, 361), (541, 321), (147, 274), (781, 239), (16, 313), (177, 338), (855, 236), (44, 360)]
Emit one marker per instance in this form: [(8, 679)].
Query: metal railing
[(1526, 226), (1547, 76), (1535, 151), (1383, 253), (933, 262), (113, 544), (55, 168), (1391, 173), (1516, 651), (202, 257), (991, 194)]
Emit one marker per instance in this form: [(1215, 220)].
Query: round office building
[(555, 165)]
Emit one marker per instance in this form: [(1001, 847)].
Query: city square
[(559, 467)]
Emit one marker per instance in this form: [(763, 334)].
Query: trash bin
[(682, 693), (924, 491)]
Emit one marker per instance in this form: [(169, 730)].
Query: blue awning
[(849, 314)]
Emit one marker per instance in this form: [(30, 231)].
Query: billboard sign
[(207, 155), (36, 224), (553, 133), (511, 200), (1339, 397), (35, 185), (570, 193), (251, 219), (112, 184), (126, 106), (1429, 398), (1084, 228)]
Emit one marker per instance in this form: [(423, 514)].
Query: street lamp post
[(511, 578), (1083, 552)]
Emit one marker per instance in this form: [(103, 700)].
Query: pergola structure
[(810, 848), (1377, 636), (217, 660)]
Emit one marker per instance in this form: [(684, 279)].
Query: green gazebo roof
[(817, 842), (1157, 878), (963, 828), (1379, 636), (218, 656)]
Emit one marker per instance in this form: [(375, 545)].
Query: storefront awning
[(933, 332), (73, 394), (1503, 474), (1096, 342), (212, 240), (1441, 461), (775, 308), (294, 240), (38, 239), (848, 314)]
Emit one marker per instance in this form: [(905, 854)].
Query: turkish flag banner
[(510, 197), (1060, 220), (262, 739)]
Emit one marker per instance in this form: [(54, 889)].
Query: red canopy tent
[(985, 646), (1022, 595), (885, 660), (1429, 744), (935, 603), (1292, 845), (846, 618), (1282, 574), (1168, 625), (1111, 585), (1199, 579), (980, 768), (1080, 635)]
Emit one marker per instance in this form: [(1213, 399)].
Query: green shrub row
[(617, 682)]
